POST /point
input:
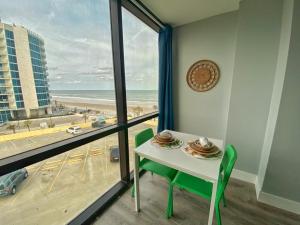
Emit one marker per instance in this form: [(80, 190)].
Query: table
[(177, 159)]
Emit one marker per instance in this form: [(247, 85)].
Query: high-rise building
[(24, 89)]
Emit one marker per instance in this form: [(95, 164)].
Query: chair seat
[(193, 184), (158, 169)]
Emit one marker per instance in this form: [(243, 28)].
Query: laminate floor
[(242, 207)]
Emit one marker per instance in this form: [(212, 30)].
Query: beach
[(102, 106)]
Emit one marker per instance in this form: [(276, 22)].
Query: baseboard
[(247, 177), (279, 202), (269, 199), (244, 176)]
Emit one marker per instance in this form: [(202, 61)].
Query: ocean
[(150, 96)]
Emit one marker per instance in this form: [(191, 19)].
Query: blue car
[(9, 182)]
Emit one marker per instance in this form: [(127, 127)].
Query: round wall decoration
[(203, 75)]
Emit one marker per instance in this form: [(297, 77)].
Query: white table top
[(207, 169)]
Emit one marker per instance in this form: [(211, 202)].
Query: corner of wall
[(286, 27)]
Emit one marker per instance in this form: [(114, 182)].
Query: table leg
[(136, 182), (212, 203)]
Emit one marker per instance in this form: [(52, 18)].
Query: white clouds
[(74, 82), (51, 16), (78, 42)]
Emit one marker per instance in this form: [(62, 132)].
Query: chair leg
[(151, 173), (132, 191), (224, 201), (218, 215), (170, 202)]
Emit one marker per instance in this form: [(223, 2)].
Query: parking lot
[(62, 185)]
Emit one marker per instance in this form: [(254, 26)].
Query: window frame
[(21, 160)]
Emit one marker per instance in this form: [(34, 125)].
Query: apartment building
[(24, 89)]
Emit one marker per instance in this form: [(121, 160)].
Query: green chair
[(149, 165), (203, 188)]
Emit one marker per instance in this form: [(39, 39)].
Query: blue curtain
[(165, 91)]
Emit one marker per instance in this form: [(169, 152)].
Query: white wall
[(214, 38), (254, 72), (282, 176), (244, 44), (255, 106), (282, 58)]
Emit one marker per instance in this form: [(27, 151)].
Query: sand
[(103, 106)]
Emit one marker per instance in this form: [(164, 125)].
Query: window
[(134, 131), (70, 136), (12, 58), (10, 43), (14, 74), (9, 34), (13, 66), (69, 67), (141, 65), (63, 185), (11, 51), (20, 105), (16, 82)]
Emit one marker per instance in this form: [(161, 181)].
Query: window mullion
[(120, 87)]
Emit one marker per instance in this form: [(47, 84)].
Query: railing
[(4, 108), (4, 69), (6, 93), (5, 85), (4, 77)]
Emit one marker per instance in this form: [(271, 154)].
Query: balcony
[(3, 51), (6, 85), (6, 93), (4, 60), (4, 68), (2, 44), (5, 77), (4, 108), (4, 101)]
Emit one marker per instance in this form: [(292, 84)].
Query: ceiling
[(179, 12)]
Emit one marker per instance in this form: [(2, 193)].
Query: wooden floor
[(242, 207)]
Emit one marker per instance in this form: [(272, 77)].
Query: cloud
[(78, 42), (74, 82)]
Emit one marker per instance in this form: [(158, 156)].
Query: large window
[(141, 65), (66, 136), (152, 124), (70, 90), (141, 71), (63, 185)]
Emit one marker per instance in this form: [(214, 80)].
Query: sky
[(78, 43)]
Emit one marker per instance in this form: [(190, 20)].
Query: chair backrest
[(143, 136), (227, 164)]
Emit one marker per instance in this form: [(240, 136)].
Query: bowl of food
[(164, 137)]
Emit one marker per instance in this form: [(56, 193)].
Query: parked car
[(114, 153), (74, 130), (10, 182), (99, 122)]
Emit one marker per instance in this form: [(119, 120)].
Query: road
[(13, 147), (35, 123)]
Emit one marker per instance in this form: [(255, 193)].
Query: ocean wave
[(100, 100)]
